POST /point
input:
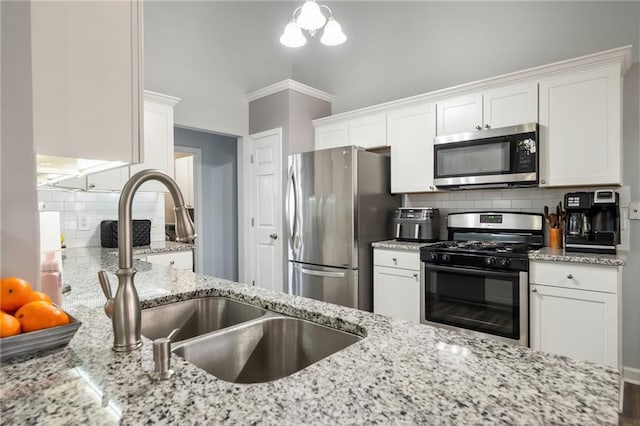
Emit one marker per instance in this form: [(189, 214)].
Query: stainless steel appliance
[(338, 202), (592, 221), (416, 224), (502, 157), (479, 279)]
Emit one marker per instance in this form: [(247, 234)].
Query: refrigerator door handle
[(292, 209), (322, 273)]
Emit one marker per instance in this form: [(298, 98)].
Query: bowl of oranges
[(29, 321)]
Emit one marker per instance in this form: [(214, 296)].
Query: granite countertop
[(560, 255), (399, 373), (399, 245)]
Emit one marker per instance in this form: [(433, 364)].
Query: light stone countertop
[(401, 373), (560, 255), (399, 245)]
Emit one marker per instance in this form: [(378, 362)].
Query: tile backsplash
[(96, 207), (530, 200)]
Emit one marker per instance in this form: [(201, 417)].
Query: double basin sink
[(242, 343)]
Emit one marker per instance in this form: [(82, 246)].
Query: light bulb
[(310, 17), (292, 36), (333, 35)]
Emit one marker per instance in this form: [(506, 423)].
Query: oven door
[(493, 303)]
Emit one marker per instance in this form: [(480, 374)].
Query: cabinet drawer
[(397, 259), (575, 276), (178, 260)]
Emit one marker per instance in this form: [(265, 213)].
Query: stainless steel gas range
[(479, 279)]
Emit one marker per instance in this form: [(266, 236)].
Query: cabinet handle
[(478, 127), (534, 290), (92, 186), (415, 275), (486, 126), (431, 187), (173, 262), (395, 259), (570, 276), (543, 181)]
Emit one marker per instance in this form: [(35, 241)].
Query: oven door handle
[(469, 271)]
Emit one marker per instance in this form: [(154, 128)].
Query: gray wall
[(220, 200), (211, 54), (19, 239), (398, 49), (303, 109)]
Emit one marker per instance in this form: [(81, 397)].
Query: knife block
[(555, 238)]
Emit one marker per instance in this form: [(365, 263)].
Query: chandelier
[(310, 18)]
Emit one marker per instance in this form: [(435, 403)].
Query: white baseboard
[(631, 375)]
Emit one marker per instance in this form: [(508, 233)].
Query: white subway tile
[(449, 204), (457, 195), (467, 204), (69, 224), (501, 204), (85, 196), (521, 204), (492, 195), (483, 204), (531, 194)]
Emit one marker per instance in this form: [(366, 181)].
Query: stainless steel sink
[(264, 350), (195, 317)]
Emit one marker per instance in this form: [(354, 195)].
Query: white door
[(510, 105), (410, 135), (396, 293), (267, 255), (576, 323)]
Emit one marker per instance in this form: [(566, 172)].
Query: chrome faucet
[(124, 309)]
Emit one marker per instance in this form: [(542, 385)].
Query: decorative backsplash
[(95, 207), (530, 200)]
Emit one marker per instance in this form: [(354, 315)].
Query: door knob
[(273, 236)]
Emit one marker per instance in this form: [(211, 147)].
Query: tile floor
[(630, 415)]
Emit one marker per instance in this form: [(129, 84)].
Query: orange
[(40, 314), (38, 295), (14, 292), (9, 325)]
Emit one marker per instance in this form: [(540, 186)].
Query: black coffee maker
[(592, 223)]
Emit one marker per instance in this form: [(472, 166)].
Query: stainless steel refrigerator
[(338, 202)]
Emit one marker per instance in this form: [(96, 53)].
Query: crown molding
[(619, 55), (161, 98), (289, 84)]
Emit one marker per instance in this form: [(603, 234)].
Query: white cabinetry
[(332, 135), (158, 147), (410, 133), (499, 107), (580, 126), (182, 260), (575, 311), (396, 284), (87, 92), (368, 132)]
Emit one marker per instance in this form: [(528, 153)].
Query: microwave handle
[(467, 271)]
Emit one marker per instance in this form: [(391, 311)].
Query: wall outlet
[(83, 223), (634, 211)]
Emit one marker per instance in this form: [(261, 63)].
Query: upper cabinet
[(410, 133), (87, 91), (580, 128), (333, 135), (499, 107), (369, 131)]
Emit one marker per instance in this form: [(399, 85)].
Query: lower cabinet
[(182, 260), (575, 311), (396, 284)]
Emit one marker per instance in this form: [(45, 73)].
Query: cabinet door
[(184, 178), (462, 114), (396, 293), (158, 142), (111, 180), (510, 105), (410, 135), (576, 323), (333, 135), (580, 128), (87, 94), (368, 132)]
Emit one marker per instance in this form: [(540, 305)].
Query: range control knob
[(433, 257), (446, 258), (491, 261), (504, 262)]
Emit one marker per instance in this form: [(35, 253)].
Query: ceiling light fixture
[(310, 18)]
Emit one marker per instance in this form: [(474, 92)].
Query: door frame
[(197, 187), (246, 236)]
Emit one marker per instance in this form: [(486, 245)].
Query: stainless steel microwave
[(502, 157)]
